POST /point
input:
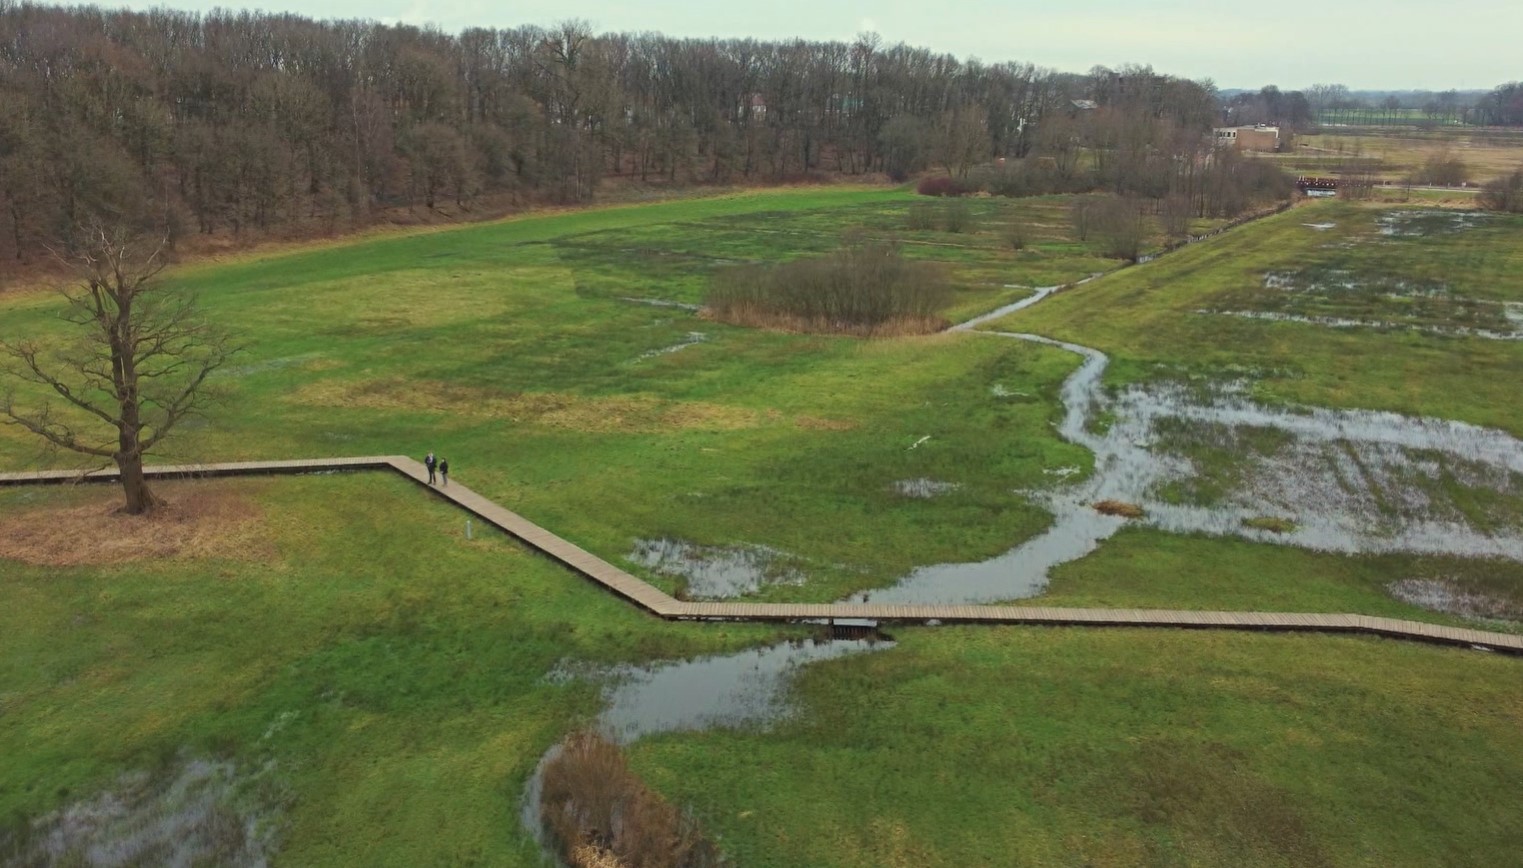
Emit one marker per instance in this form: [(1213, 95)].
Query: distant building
[(1084, 105), (757, 104), (1254, 138)]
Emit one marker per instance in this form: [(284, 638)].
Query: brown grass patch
[(601, 815), (595, 414), (588, 856), (1121, 508), (201, 520), (818, 423), (899, 327)]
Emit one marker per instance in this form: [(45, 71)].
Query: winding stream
[(1348, 481)]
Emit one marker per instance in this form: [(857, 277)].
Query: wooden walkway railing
[(659, 603)]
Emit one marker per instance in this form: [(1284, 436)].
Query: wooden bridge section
[(657, 602)]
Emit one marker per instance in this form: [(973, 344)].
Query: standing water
[(748, 688)]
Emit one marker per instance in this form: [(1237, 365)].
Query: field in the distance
[(1396, 154)]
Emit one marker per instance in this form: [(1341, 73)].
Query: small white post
[(467, 528)]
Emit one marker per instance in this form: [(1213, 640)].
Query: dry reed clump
[(1121, 508), (588, 856), (600, 814), (199, 521), (866, 289), (777, 321)]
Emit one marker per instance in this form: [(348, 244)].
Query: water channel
[(1347, 481)]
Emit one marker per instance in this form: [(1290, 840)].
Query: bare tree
[(138, 368)]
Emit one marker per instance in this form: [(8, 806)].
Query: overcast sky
[(1372, 44)]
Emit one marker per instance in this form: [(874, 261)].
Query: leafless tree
[(137, 369)]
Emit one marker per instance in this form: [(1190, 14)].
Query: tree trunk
[(129, 446), (140, 500)]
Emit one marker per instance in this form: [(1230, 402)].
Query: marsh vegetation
[(865, 288)]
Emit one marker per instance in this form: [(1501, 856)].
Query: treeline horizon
[(230, 122), (251, 123)]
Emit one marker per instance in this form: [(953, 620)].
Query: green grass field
[(1149, 317), (508, 349), (970, 746), (397, 682), (394, 673)]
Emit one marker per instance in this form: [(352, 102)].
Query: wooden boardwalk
[(663, 605)]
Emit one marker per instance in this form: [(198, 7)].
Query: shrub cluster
[(864, 288), (1443, 170), (1503, 194), (1118, 223), (952, 216), (1226, 185), (944, 185), (598, 812)]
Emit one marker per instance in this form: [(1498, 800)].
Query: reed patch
[(865, 288)]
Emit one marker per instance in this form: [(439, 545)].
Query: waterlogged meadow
[(268, 674), (1240, 449)]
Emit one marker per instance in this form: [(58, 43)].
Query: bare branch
[(140, 366), (43, 424)]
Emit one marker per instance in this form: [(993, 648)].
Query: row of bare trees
[(236, 122)]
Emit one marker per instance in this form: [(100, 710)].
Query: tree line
[(236, 122), (1336, 104)]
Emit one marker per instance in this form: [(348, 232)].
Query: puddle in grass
[(662, 302), (746, 689), (716, 572), (735, 690), (1342, 298), (924, 488), (202, 814), (1337, 322), (1441, 595), (1421, 224)]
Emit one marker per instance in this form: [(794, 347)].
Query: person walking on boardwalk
[(444, 470), (430, 462)]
